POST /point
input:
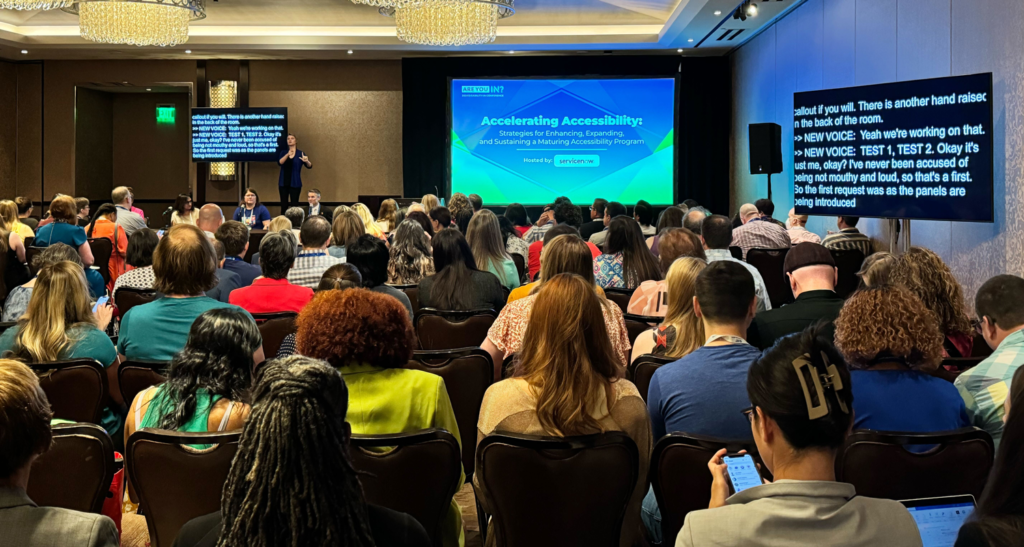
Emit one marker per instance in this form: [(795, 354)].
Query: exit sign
[(165, 113)]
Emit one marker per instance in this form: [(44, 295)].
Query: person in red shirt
[(533, 260), (272, 292)]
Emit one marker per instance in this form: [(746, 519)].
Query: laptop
[(939, 519)]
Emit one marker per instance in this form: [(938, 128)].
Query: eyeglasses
[(749, 413)]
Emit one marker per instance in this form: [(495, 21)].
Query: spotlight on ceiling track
[(746, 9), (751, 9)]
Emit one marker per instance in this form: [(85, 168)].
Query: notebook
[(939, 519)]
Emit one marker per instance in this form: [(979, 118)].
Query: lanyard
[(725, 338), (248, 219)]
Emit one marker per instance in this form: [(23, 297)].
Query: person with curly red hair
[(369, 337), (893, 342)]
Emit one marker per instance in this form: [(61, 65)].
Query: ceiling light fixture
[(751, 9), (746, 9), (149, 89), (450, 22), (34, 4), (24, 52), (188, 52), (690, 40), (718, 12), (350, 52), (137, 22), (680, 50)]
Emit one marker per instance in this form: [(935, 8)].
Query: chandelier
[(450, 22), (35, 4), (137, 22)]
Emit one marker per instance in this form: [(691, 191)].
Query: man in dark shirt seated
[(812, 276), (235, 237)]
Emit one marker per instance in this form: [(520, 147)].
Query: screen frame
[(201, 109), (990, 141), (677, 81), (941, 500)]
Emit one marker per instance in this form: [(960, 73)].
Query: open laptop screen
[(939, 519)]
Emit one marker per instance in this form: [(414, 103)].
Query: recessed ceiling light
[(690, 40), (718, 12), (149, 89), (24, 52), (511, 52), (350, 52), (188, 51), (680, 50)]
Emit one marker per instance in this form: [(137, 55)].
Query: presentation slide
[(529, 141), (920, 149), (238, 134)]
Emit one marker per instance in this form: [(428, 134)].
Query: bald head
[(747, 212), (693, 220), (210, 218), (819, 277)]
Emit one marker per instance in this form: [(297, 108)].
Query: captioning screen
[(238, 134)]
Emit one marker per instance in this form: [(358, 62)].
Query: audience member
[(876, 269), (25, 422), (25, 207), (596, 223), (626, 262), (410, 257), (298, 402), (796, 227), (798, 427), (545, 222), (12, 221), (565, 260), (569, 381), (315, 207), (693, 220), (369, 224), (812, 277), (296, 216), (476, 201), (458, 284), (649, 298), (313, 261), (251, 212), (1000, 305), (209, 220), (458, 202), (341, 209), (235, 237), (766, 209), (370, 340), (184, 267), (19, 297), (484, 238), (386, 217), (339, 277), (888, 335), (849, 238), (346, 228), (272, 292), (516, 214), (421, 218), (760, 231), (682, 331), (927, 276), (65, 229), (716, 235), (462, 219), (104, 224), (139, 256), (226, 281), (514, 243), (533, 259), (281, 223), (47, 217), (429, 202), (128, 217), (671, 217), (612, 210), (184, 212), (132, 207), (644, 215), (11, 243), (441, 218), (370, 255)]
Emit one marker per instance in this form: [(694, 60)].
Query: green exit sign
[(165, 113)]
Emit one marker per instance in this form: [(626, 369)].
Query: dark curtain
[(705, 102)]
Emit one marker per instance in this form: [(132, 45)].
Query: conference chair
[(620, 297), (28, 241), (638, 324), (680, 476), (126, 299), (133, 377), (467, 374), (102, 249), (879, 464), (76, 389), (736, 252), (642, 370), (981, 347), (274, 331), (556, 490), (264, 317), (771, 265), (77, 470), (175, 483), (3, 268), (4, 325), (413, 292), (415, 473), (848, 263), (30, 256), (520, 265), (960, 364), (448, 329)]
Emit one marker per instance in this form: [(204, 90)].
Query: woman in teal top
[(484, 237)]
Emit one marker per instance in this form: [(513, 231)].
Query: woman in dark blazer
[(289, 183)]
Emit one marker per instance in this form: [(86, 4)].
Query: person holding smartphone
[(801, 414)]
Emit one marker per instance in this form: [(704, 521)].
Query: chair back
[(848, 263), (3, 268), (520, 264), (274, 331), (447, 329), (770, 263), (467, 374), (30, 254), (879, 465), (101, 251), (264, 317), (133, 377), (76, 472), (558, 491), (4, 325), (638, 324), (28, 241), (736, 252), (126, 299), (620, 297), (642, 370), (680, 476), (415, 473), (174, 483), (76, 389), (960, 364), (980, 348), (413, 292)]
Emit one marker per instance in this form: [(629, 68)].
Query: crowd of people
[(792, 379)]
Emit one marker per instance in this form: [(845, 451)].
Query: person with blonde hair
[(569, 382), (925, 274), (346, 228), (484, 237), (11, 222), (430, 201), (11, 243), (65, 229), (369, 223), (410, 259), (649, 298), (796, 226), (388, 215), (682, 331)]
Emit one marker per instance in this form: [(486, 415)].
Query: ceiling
[(328, 29)]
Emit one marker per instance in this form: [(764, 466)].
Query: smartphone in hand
[(743, 472), (103, 300)]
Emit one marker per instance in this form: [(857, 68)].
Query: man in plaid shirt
[(313, 261), (759, 232), (1000, 304)]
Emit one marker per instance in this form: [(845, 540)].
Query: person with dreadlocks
[(292, 482)]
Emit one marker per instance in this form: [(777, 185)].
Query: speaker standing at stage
[(289, 184)]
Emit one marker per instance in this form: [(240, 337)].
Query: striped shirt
[(985, 387), (849, 239), (310, 267), (759, 233), (537, 233)]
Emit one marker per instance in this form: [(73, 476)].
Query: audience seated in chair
[(25, 422), (716, 235), (140, 257), (272, 292), (536, 249), (849, 237), (369, 338), (565, 254), (999, 519), (876, 269), (337, 278), (65, 229), (104, 224), (211, 216), (370, 256), (345, 230), (1000, 305), (798, 425), (458, 284), (235, 237), (18, 297), (369, 224), (410, 256), (59, 325), (561, 229), (927, 276), (226, 281), (682, 331), (484, 238), (812, 277), (12, 242), (649, 298), (626, 262), (796, 227), (892, 342), (313, 260), (184, 267), (759, 230), (612, 210), (12, 221)]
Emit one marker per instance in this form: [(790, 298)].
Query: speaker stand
[(769, 186)]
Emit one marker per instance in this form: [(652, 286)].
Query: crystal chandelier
[(137, 22), (223, 94), (35, 4), (450, 22)]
